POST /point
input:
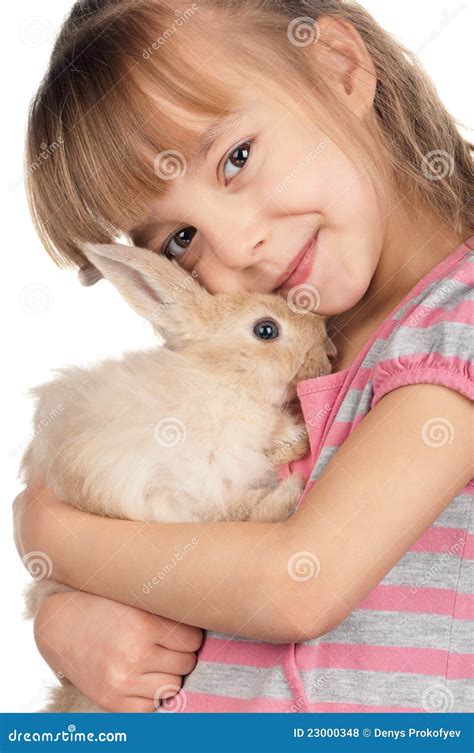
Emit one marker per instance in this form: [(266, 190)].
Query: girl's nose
[(235, 243)]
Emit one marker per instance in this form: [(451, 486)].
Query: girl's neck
[(415, 242)]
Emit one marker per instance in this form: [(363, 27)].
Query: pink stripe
[(458, 366), (221, 651), (422, 316), (460, 666), (356, 708), (464, 608), (469, 548), (313, 391), (425, 661), (439, 540), (387, 382), (196, 703), (337, 434), (413, 599)]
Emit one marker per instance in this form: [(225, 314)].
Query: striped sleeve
[(434, 340)]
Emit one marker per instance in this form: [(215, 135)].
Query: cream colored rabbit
[(192, 430)]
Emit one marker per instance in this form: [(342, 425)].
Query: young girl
[(247, 139)]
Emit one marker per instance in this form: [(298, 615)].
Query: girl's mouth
[(303, 268)]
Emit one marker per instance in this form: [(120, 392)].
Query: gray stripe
[(379, 628), (457, 513), (324, 457), (462, 637), (456, 293), (414, 301), (446, 338), (424, 570), (356, 401), (447, 293), (384, 688), (446, 290), (374, 354), (465, 583), (236, 638), (237, 681)]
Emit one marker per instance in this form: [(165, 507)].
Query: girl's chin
[(336, 299)]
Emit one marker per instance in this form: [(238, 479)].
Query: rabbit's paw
[(281, 502), (290, 443)]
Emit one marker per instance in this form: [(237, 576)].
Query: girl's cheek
[(342, 270)]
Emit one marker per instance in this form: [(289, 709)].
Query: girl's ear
[(342, 49), (155, 287)]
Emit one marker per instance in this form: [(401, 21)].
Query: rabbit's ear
[(155, 287)]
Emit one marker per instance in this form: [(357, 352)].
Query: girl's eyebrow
[(215, 132)]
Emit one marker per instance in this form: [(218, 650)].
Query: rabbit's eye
[(266, 329)]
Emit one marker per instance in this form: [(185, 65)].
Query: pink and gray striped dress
[(407, 646)]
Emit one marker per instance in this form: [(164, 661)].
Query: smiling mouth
[(304, 256)]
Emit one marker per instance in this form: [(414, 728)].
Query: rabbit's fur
[(192, 430)]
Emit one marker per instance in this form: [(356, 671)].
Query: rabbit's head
[(253, 339)]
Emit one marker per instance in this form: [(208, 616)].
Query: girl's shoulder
[(430, 336)]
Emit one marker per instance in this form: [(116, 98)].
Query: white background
[(49, 320)]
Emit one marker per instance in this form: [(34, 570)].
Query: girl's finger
[(166, 661), (176, 635), (157, 685), (135, 705)]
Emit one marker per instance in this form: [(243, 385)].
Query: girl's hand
[(122, 658)]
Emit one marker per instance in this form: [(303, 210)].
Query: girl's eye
[(235, 161), (179, 242)]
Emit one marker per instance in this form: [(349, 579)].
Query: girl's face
[(242, 213)]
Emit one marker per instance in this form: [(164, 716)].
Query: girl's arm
[(289, 581)]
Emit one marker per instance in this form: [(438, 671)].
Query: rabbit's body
[(125, 440), (190, 431)]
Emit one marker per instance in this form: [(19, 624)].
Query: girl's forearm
[(179, 571)]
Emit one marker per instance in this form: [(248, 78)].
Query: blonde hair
[(122, 87)]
